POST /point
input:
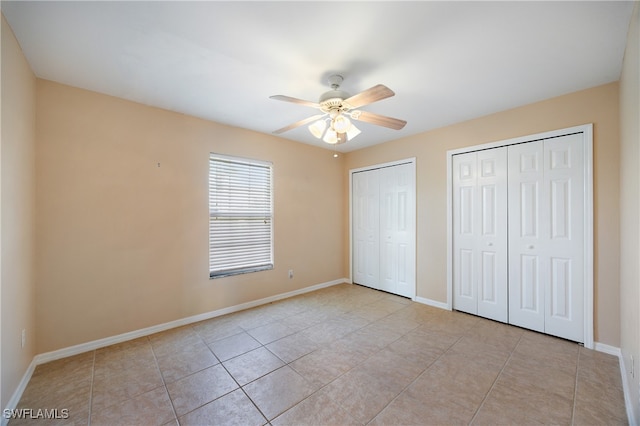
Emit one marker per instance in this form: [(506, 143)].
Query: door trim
[(587, 131), (410, 160)]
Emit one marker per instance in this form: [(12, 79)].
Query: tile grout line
[(164, 383), (496, 380), (240, 387), (417, 377), (93, 374), (198, 371), (288, 364), (285, 363), (370, 356), (340, 375), (575, 387), (414, 380)]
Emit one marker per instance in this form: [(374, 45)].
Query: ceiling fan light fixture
[(331, 137), (353, 132), (317, 128), (341, 124)]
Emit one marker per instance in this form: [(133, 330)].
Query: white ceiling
[(221, 60)]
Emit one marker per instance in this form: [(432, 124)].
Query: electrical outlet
[(24, 337), (290, 273)]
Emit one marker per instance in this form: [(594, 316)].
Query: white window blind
[(240, 216)]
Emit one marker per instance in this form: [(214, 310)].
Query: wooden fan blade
[(374, 94), (378, 120), (295, 101), (299, 123)]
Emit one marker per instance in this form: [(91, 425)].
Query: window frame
[(264, 211)]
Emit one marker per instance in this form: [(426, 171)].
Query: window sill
[(229, 273)]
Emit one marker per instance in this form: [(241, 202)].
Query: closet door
[(397, 229), (564, 178), (383, 226), (465, 291), (527, 236), (480, 233), (492, 234), (366, 228), (546, 236)]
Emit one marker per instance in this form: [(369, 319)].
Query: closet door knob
[(531, 247), (490, 244)]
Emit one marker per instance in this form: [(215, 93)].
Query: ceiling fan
[(337, 107)]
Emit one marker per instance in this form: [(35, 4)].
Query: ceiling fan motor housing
[(334, 99)]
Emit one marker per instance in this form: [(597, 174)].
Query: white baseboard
[(100, 343), (612, 350), (434, 303), (628, 403), (17, 394), (607, 349)]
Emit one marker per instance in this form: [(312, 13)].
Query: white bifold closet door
[(366, 228), (480, 233), (384, 229), (518, 235), (546, 236)]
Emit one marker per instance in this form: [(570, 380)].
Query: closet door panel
[(480, 236), (388, 217), (467, 283), (491, 242), (366, 228), (465, 293), (526, 230), (397, 230), (406, 211), (564, 176)]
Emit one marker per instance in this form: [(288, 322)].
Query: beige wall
[(630, 211), (598, 105), (123, 243), (17, 177)]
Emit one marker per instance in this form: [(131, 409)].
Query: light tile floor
[(344, 355)]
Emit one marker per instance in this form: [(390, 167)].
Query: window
[(240, 216)]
